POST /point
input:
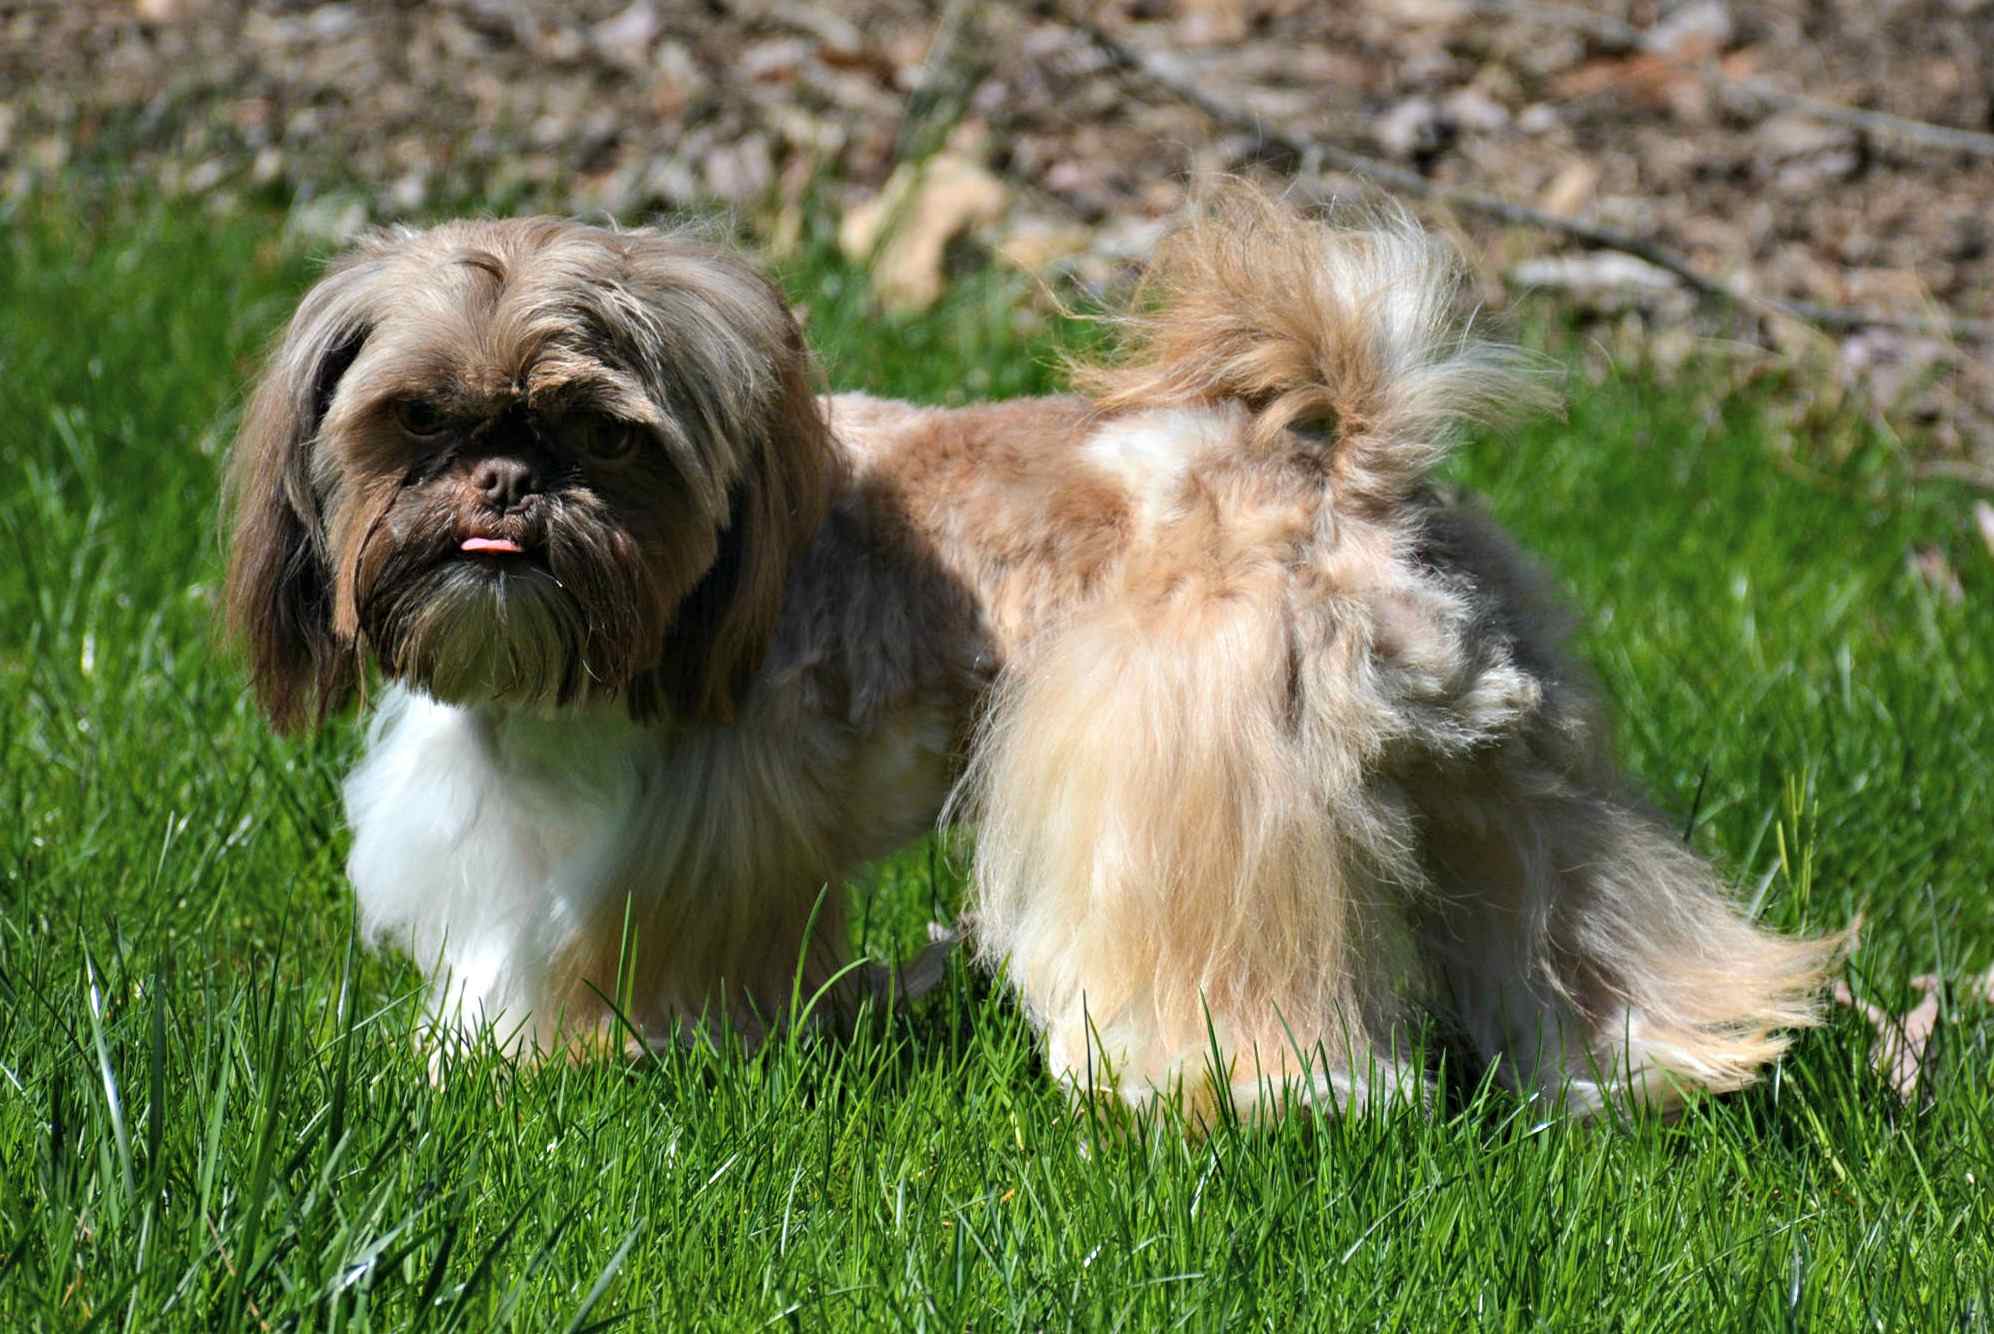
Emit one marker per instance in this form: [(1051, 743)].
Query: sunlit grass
[(213, 1111)]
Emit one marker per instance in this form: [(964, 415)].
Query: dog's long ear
[(278, 597), (721, 352)]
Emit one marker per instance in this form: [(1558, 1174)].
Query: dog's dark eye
[(604, 439), (420, 418)]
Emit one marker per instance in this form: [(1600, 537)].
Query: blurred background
[(1663, 175)]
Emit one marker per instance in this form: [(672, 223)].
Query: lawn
[(212, 1112)]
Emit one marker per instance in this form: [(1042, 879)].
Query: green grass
[(212, 1112)]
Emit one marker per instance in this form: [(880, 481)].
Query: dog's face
[(526, 461)]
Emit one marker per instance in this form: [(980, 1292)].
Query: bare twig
[(1316, 153), (1876, 122), (1625, 36), (1956, 470), (926, 117)]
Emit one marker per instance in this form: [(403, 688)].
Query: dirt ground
[(1721, 133)]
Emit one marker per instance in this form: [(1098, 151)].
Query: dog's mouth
[(499, 552), (541, 605), (489, 622)]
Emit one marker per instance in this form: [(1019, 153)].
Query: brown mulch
[(1673, 122)]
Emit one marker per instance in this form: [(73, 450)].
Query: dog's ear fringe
[(776, 505), (277, 598), (1349, 330)]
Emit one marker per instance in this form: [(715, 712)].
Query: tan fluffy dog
[(1270, 750)]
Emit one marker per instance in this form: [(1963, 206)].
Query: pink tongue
[(499, 544)]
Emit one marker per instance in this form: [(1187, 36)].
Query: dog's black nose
[(504, 482)]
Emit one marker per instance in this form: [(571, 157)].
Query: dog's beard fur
[(579, 616), (466, 636), (1284, 750)]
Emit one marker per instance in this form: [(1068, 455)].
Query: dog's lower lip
[(496, 546)]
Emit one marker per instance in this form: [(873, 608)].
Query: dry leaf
[(1570, 190), (626, 38), (1931, 566), (1035, 245), (1898, 1054), (905, 229), (1212, 22)]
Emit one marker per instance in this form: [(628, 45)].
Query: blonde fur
[(1349, 331), (1272, 752), (1315, 762)]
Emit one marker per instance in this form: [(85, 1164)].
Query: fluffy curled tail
[(1348, 331)]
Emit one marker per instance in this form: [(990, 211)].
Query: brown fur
[(343, 535), (1268, 747)]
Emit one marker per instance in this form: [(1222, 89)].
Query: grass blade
[(575, 1322)]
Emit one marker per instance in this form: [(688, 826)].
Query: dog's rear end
[(1314, 761)]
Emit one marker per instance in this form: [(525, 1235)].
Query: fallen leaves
[(1903, 1041), (1932, 568), (905, 229), (1772, 154)]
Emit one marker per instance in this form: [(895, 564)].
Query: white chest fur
[(482, 843), (507, 853)]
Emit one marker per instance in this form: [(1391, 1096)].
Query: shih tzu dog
[(1271, 750)]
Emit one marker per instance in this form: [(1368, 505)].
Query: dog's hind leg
[(1189, 881)]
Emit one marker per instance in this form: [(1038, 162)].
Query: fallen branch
[(1315, 153), (1624, 36), (1955, 470), (1874, 122)]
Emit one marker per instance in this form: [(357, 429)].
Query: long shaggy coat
[(1271, 750)]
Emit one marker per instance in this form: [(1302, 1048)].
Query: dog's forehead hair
[(662, 328), (541, 311)]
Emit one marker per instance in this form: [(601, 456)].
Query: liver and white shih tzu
[(1271, 751)]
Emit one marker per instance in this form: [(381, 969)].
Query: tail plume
[(1347, 331)]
